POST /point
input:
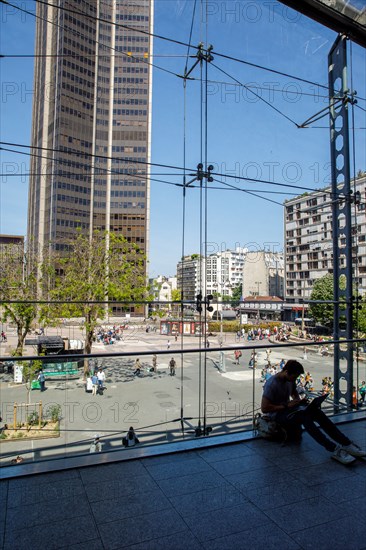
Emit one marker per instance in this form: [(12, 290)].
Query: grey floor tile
[(360, 467), (241, 464), (95, 544), (225, 452), (3, 508), (45, 492), (178, 541), (333, 535), (114, 489), (356, 508), (108, 472), (225, 521), (246, 481), (340, 490), (208, 499), (42, 513), (322, 473), (305, 514), (3, 491), (304, 459), (122, 533), (191, 484), (267, 536), (279, 450), (134, 504), (170, 458), (279, 494), (186, 467), (54, 535), (39, 479)]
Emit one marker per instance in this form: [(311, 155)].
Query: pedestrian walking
[(137, 367), (154, 363), (362, 390), (94, 384), (42, 380), (237, 355), (168, 344), (172, 365), (101, 378)]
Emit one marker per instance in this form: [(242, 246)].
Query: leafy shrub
[(33, 418), (54, 412)]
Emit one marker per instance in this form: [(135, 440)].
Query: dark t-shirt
[(278, 390)]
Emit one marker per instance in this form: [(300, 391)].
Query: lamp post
[(222, 285)]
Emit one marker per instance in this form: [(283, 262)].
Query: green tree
[(18, 281), (30, 371), (176, 295), (323, 290), (324, 313), (105, 267), (237, 294)]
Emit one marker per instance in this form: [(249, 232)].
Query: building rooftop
[(252, 494)]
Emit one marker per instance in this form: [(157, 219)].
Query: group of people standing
[(138, 367), (95, 382)]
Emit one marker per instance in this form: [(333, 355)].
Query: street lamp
[(222, 285)]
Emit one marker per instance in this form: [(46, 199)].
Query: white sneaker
[(342, 455), (354, 450)]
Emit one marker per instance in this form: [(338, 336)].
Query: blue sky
[(246, 136)]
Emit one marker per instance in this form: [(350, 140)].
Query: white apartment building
[(218, 274), (263, 274), (309, 245), (224, 271)]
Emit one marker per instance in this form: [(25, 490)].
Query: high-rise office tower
[(91, 120)]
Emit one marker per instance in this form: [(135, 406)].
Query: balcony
[(242, 494)]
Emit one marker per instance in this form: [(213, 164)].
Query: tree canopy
[(324, 313), (105, 268), (18, 281)]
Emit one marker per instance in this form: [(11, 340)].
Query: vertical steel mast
[(342, 221)]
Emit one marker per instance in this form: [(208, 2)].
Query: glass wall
[(168, 387)]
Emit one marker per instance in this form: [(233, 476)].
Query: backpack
[(268, 428)]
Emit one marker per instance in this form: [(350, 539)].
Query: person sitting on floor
[(281, 400)]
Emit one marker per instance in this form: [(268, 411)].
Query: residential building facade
[(190, 276), (224, 272), (91, 121), (263, 274), (309, 244), (218, 274)]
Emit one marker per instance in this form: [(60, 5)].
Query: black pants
[(307, 419)]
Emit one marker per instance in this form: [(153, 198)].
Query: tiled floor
[(255, 495)]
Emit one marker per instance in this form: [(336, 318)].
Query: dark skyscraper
[(91, 120)]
